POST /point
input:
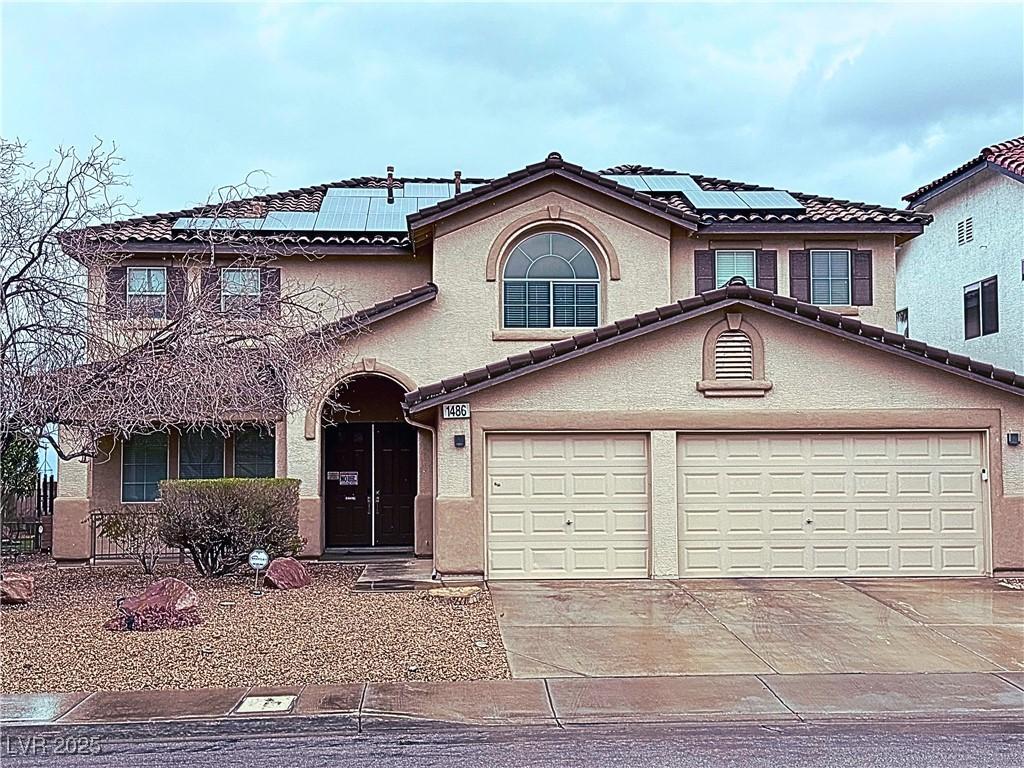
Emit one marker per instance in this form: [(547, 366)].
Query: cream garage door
[(567, 506), (831, 504)]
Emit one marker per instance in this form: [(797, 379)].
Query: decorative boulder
[(165, 604), (16, 589), (287, 573)]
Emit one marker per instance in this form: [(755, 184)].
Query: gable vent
[(965, 231), (734, 356)]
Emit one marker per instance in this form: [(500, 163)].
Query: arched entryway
[(370, 467)]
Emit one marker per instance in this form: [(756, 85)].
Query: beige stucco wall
[(820, 382)]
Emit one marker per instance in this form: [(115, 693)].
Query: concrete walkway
[(556, 702), (759, 626)]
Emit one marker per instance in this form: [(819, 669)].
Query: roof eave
[(832, 227), (199, 247), (973, 169)]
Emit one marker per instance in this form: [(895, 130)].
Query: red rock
[(16, 589), (287, 573), (165, 604)]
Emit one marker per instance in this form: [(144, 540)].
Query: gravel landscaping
[(321, 634)]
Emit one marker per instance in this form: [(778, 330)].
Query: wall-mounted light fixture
[(1013, 438), (460, 441)]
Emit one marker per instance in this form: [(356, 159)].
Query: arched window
[(734, 356), (550, 281)]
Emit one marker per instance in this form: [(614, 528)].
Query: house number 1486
[(455, 410)]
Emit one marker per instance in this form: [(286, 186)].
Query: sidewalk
[(553, 702)]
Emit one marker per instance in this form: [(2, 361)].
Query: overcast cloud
[(859, 101)]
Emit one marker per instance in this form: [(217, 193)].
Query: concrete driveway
[(759, 626)]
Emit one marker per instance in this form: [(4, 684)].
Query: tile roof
[(818, 209), (380, 310), (808, 314), (157, 228), (1007, 156)]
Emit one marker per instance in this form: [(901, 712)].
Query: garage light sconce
[(460, 441), (1013, 438)]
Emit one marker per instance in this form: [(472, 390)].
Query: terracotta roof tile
[(1007, 156), (157, 228), (695, 306)]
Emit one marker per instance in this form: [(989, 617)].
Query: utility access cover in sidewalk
[(262, 705)]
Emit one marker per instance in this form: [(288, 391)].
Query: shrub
[(219, 522), (134, 530)]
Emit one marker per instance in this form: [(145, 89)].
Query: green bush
[(219, 522)]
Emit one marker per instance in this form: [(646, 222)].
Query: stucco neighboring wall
[(933, 269)]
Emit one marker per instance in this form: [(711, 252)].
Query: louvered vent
[(965, 231), (734, 356)]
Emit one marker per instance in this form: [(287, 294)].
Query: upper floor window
[(903, 321), (147, 292), (981, 308), (239, 289), (550, 281), (730, 264), (965, 231), (830, 277), (143, 466)]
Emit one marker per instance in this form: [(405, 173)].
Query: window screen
[(201, 455), (239, 289), (830, 277), (981, 308), (143, 466), (255, 453), (730, 264)]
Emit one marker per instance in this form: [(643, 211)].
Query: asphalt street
[(319, 742)]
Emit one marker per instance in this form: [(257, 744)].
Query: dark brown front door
[(370, 484)]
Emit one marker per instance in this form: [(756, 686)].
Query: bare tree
[(82, 352)]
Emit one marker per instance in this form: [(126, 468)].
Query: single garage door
[(567, 506), (831, 504)]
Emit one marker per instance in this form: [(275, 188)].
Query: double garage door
[(772, 504)]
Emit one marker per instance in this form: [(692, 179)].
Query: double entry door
[(369, 484)]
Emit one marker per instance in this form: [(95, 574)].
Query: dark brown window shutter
[(862, 289), (116, 288), (270, 291), (177, 286), (704, 271), (800, 275), (209, 288), (768, 270)]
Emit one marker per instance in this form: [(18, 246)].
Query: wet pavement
[(759, 626)]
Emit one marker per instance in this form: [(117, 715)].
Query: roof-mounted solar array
[(715, 200), (218, 222), (664, 182), (289, 221), (361, 192), (771, 199), (340, 214)]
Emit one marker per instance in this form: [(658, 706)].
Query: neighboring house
[(558, 383), (960, 285)]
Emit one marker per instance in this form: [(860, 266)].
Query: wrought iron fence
[(27, 521), (109, 550)]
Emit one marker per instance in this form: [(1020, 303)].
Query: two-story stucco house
[(960, 285), (627, 373)]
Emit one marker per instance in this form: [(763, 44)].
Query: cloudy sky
[(858, 101)]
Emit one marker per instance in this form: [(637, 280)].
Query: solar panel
[(344, 214), (670, 183), (295, 221), (634, 182), (360, 192), (428, 189), (714, 200), (390, 217), (773, 199), (219, 222)]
